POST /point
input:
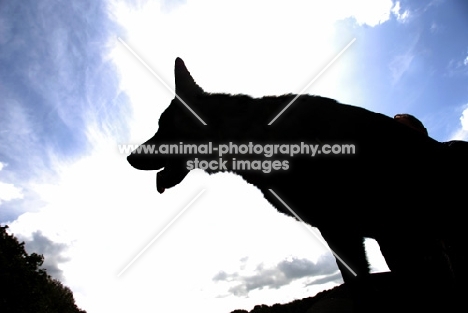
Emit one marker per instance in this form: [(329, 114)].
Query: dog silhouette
[(398, 186)]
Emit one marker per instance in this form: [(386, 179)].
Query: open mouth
[(172, 171), (169, 177)]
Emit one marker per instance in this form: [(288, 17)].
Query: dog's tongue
[(168, 178), (159, 182)]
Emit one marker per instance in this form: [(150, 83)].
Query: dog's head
[(176, 124)]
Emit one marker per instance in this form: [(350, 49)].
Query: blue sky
[(71, 93), (418, 66), (54, 80)]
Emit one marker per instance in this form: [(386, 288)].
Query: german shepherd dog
[(398, 186)]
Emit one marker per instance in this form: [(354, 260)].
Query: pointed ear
[(184, 83)]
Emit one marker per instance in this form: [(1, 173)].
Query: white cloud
[(245, 280), (458, 67), (8, 191), (464, 119), (399, 65), (369, 12), (462, 132), (437, 28), (397, 11), (52, 252)]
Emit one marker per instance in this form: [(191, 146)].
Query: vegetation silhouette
[(26, 286)]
